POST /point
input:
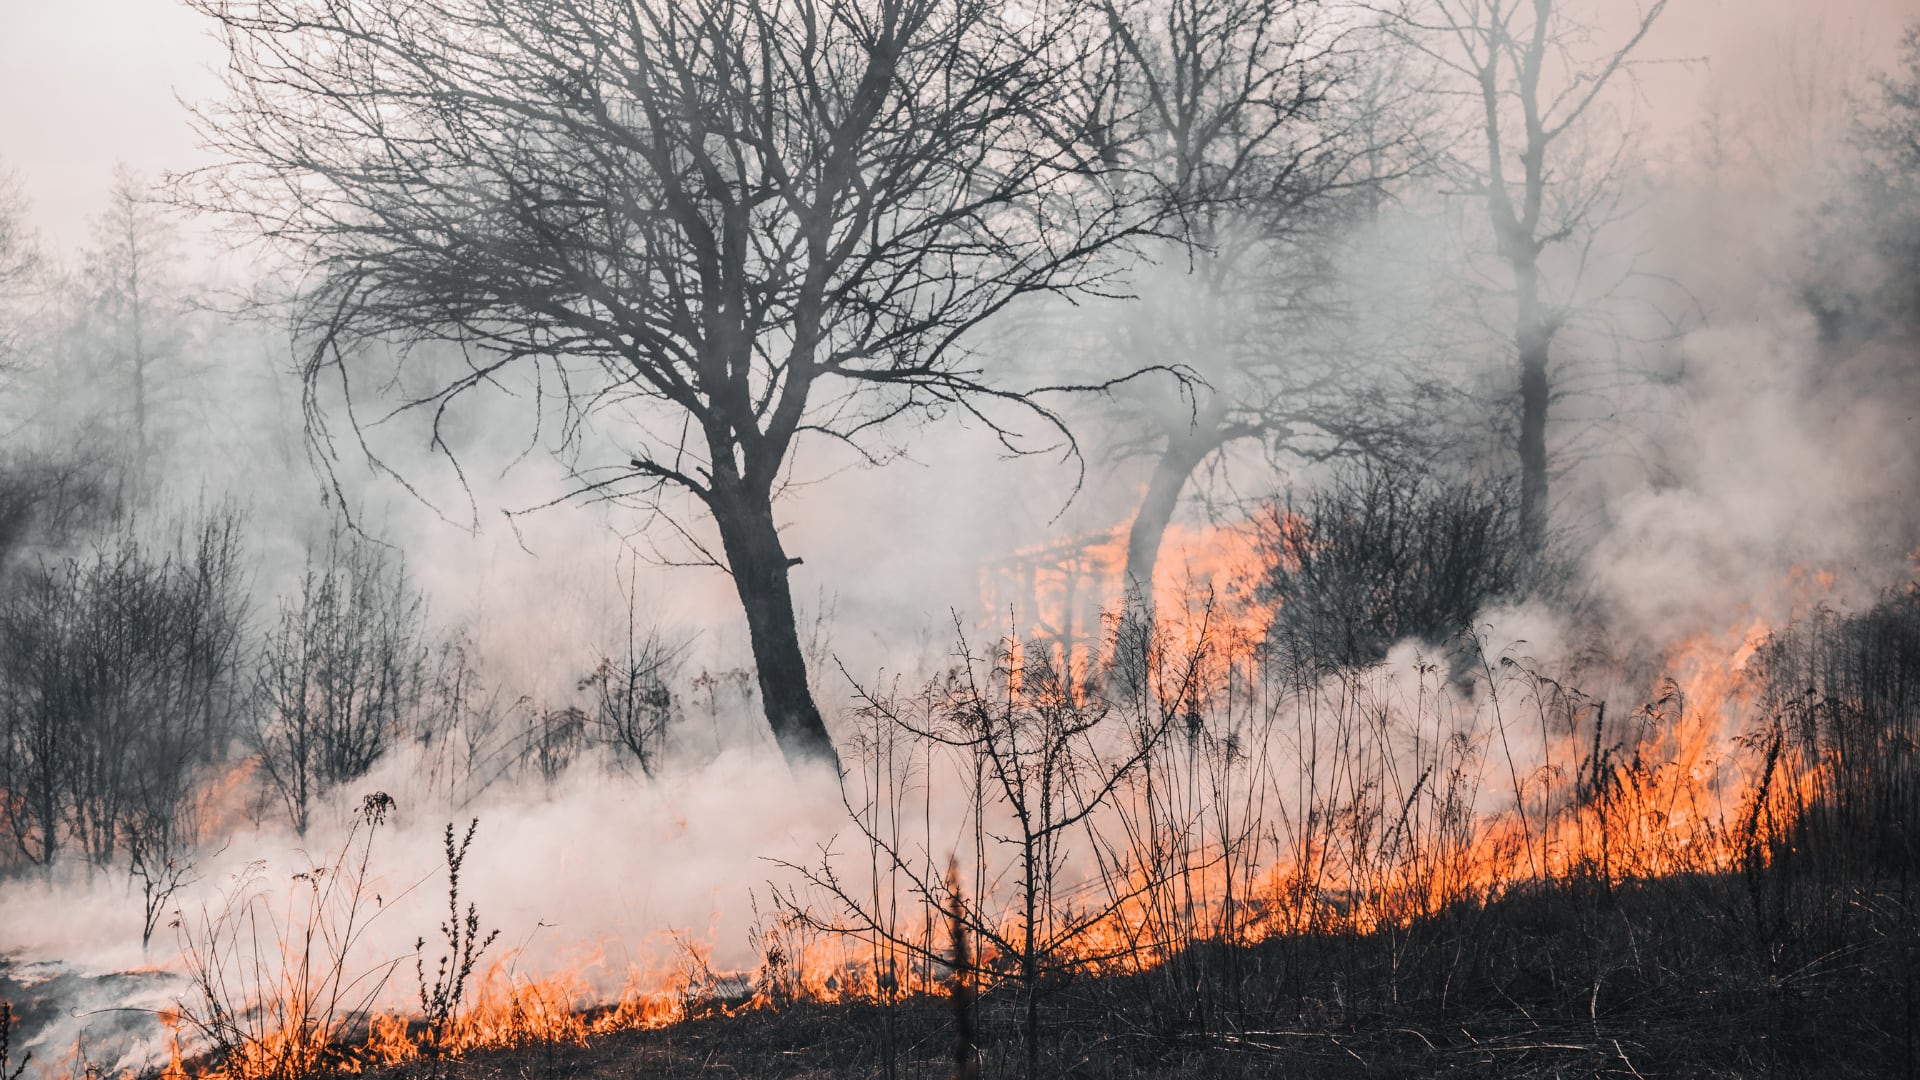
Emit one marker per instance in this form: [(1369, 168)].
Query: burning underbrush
[(1201, 839), (1207, 827)]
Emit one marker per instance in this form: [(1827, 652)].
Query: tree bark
[(1183, 454), (139, 360), (1533, 440), (1534, 338), (759, 565)]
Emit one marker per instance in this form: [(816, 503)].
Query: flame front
[(1446, 787)]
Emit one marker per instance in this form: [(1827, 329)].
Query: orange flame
[(1666, 789)]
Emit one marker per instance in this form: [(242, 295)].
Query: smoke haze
[(1758, 473)]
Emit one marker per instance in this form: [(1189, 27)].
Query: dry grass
[(1210, 862), (1562, 983), (1772, 948)]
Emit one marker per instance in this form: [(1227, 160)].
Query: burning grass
[(1206, 849), (1210, 859), (1645, 979)]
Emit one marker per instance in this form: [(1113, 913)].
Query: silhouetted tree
[(629, 698), (1255, 129), (136, 300), (1534, 72), (341, 674), (119, 682), (1385, 554), (742, 222)]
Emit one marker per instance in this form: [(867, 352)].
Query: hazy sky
[(86, 83)]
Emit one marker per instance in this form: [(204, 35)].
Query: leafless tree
[(187, 731), (50, 503), (462, 727), (630, 699), (1864, 284), (340, 675), (741, 224), (1384, 554), (1532, 75), (36, 763), (19, 261), (1045, 760), (1256, 129), (130, 267), (119, 681)]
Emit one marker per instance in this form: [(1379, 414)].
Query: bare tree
[(630, 700), (341, 675), (190, 729), (462, 724), (1045, 760), (136, 297), (1255, 129), (1533, 74), (19, 261), (36, 764), (739, 223), (119, 684), (1865, 282), (1385, 554)]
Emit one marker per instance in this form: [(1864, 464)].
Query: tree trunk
[(1533, 336), (1029, 951), (759, 565), (1533, 448), (139, 377), (1183, 454)]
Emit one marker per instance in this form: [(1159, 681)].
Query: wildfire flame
[(1064, 596), (1675, 786)]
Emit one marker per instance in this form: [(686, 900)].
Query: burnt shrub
[(1841, 693), (119, 686), (1385, 553), (341, 673)]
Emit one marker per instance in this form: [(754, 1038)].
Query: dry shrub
[(275, 991), (120, 672), (1386, 554), (341, 674)]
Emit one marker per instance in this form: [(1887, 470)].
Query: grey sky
[(86, 83)]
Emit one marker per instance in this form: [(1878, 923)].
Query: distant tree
[(1386, 554), (742, 223), (1864, 284), (188, 731), (120, 682), (38, 757), (1256, 129), (341, 675), (460, 727), (52, 503), (629, 699), (19, 262), (1532, 74), (137, 299)]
